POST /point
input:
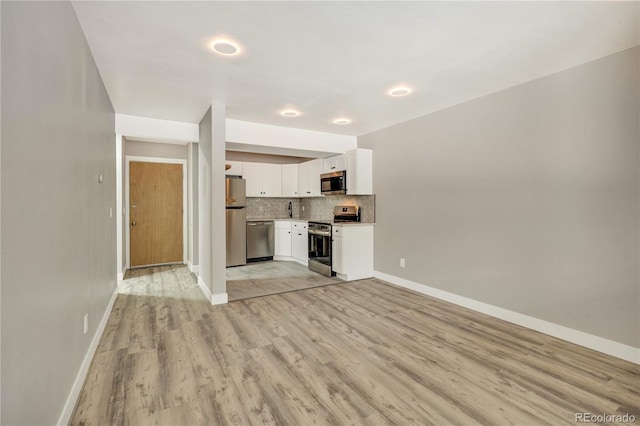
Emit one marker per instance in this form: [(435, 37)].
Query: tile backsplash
[(309, 208), (271, 208)]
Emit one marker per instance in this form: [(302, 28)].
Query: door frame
[(128, 160)]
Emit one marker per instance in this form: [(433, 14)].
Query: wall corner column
[(218, 214)]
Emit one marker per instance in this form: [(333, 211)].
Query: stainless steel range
[(320, 238), (320, 248)]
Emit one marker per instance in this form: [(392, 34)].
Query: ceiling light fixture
[(341, 121), (290, 113), (399, 91), (225, 47)]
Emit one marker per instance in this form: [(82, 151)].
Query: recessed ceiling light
[(225, 47), (399, 91), (341, 121), (290, 113)]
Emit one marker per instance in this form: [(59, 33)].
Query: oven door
[(320, 253)]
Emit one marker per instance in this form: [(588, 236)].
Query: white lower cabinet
[(283, 239), (352, 251), (336, 253), (300, 242)]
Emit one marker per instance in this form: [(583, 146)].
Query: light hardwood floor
[(362, 352), (272, 277)]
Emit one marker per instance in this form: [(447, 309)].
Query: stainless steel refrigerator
[(236, 222)]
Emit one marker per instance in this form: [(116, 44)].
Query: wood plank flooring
[(272, 277), (362, 352)]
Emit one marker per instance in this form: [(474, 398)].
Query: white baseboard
[(204, 288), (215, 299), (193, 268), (70, 404), (609, 347), (284, 258), (219, 299)]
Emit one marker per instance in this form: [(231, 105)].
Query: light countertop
[(327, 221)]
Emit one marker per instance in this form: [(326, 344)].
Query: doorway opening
[(156, 220)]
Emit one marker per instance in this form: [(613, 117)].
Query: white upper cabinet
[(359, 167), (303, 180), (252, 173), (309, 178), (334, 164), (263, 180), (290, 180), (272, 180), (235, 169)]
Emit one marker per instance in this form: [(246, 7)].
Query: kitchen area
[(296, 223)]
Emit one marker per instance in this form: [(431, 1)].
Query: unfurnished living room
[(296, 213)]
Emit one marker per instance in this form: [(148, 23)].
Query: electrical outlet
[(402, 262), (302, 208), (86, 323), (110, 212)]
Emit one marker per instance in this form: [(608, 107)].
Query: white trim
[(219, 298), (120, 277), (214, 299), (616, 349), (285, 258), (304, 262), (204, 288), (70, 404), (266, 138), (193, 268), (118, 212), (156, 130), (190, 154), (128, 160)]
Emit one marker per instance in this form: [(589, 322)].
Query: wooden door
[(155, 213)]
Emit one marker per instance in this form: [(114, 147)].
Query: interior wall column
[(218, 214)]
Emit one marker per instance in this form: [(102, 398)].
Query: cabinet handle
[(333, 167)]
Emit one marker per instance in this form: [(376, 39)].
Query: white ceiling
[(335, 59)]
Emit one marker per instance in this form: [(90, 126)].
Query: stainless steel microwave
[(334, 183)]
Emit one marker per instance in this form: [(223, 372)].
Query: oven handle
[(324, 234)]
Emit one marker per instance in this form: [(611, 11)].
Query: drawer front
[(337, 230), (283, 224)]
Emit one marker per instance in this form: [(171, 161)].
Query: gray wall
[(218, 193), (154, 149), (204, 199), (212, 215), (58, 242), (527, 198)]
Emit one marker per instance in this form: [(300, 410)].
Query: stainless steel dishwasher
[(260, 240)]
